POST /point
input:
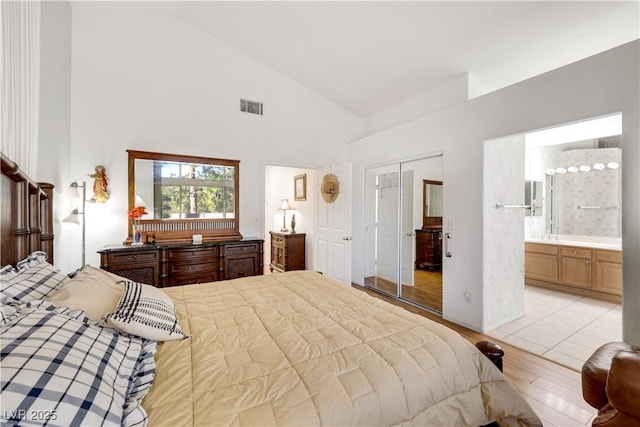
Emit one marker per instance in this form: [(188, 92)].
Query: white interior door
[(407, 257), (387, 226), (333, 226)]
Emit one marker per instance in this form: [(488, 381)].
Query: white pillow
[(92, 290), (34, 258), (31, 283), (147, 312)]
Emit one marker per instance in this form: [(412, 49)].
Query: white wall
[(599, 85), (503, 235), (55, 123), (141, 80)]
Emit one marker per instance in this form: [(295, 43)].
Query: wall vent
[(252, 107)]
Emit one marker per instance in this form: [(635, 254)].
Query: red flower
[(136, 213)]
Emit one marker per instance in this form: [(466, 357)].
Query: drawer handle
[(588, 261), (135, 257), (575, 252)]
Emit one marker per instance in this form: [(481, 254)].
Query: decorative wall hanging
[(300, 187), (330, 188), (100, 185)]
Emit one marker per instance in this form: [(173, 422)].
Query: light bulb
[(613, 165)]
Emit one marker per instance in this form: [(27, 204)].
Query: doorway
[(403, 231), (280, 184), (569, 229)]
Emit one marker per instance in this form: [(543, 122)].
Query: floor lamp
[(74, 216)]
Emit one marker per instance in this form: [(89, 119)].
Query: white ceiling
[(369, 56)]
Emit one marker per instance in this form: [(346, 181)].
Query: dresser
[(183, 264), (287, 251), (429, 248)]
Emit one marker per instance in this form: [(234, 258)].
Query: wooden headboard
[(26, 215)]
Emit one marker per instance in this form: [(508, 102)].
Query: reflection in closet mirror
[(399, 200), (432, 203)]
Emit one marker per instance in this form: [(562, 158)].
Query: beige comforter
[(300, 349)]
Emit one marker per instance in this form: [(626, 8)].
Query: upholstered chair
[(611, 384)]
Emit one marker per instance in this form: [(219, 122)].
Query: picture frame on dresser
[(300, 187)]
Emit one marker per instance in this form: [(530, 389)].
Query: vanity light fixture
[(582, 168), (613, 165)]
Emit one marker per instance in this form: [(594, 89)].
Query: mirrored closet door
[(403, 231)]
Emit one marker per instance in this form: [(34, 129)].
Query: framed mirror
[(185, 196), (431, 203)]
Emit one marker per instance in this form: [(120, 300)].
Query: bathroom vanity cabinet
[(591, 272)]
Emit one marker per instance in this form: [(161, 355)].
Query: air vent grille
[(252, 107)]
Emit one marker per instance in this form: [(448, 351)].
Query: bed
[(294, 348)]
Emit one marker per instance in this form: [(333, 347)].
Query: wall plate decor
[(330, 188)]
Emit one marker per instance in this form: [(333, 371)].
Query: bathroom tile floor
[(562, 327)]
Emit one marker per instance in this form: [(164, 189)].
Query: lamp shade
[(139, 202), (73, 190), (284, 205), (73, 217)]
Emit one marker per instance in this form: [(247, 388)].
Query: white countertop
[(610, 243)]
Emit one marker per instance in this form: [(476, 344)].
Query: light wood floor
[(553, 391), (426, 291)]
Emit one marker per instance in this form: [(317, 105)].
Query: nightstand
[(287, 251)]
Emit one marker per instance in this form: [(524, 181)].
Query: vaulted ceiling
[(369, 56)]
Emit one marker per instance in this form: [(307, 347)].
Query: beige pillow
[(93, 290)]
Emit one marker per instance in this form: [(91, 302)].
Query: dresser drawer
[(195, 269), (134, 257), (277, 240), (239, 249), (570, 251), (609, 256), (192, 256), (541, 248), (191, 279)]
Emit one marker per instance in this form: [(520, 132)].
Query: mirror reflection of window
[(434, 200), (186, 191)]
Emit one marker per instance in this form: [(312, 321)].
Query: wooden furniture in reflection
[(183, 264), (287, 251), (431, 203), (429, 248)]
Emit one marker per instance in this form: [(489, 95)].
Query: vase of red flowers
[(134, 215)]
